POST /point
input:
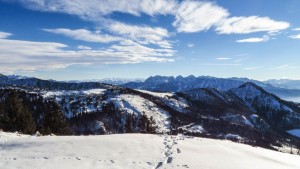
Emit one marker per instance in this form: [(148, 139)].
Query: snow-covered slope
[(136, 151), (279, 113), (138, 105), (246, 114)]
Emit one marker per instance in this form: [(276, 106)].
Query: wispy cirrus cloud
[(196, 16), (190, 45), (141, 34), (296, 29), (223, 58), (190, 16), (31, 56), (254, 40), (295, 36), (4, 35), (251, 68), (95, 9), (221, 64), (251, 24), (84, 35), (285, 66), (82, 47), (120, 31)]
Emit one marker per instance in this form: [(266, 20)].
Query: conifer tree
[(54, 122), (20, 119), (128, 124)]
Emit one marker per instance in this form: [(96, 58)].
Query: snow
[(178, 104), (295, 132), (192, 128), (139, 105), (47, 94), (237, 118), (135, 151), (94, 91), (158, 94)]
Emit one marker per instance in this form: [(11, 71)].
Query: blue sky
[(94, 39)]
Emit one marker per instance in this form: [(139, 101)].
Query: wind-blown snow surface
[(135, 151)]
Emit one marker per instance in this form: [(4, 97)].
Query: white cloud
[(121, 31), (220, 64), (190, 15), (4, 35), (244, 25), (195, 16), (81, 47), (190, 45), (251, 68), (95, 9), (239, 60), (254, 40), (286, 66), (84, 35), (295, 36), (223, 58), (141, 34), (31, 56), (296, 29)]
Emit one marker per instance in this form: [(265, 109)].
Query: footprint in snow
[(169, 159), (77, 158), (159, 164), (185, 166)]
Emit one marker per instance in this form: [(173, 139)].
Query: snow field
[(136, 151)]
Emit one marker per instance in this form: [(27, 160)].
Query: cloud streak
[(195, 16), (84, 35), (95, 9), (295, 36), (141, 34), (286, 66), (190, 45), (190, 16), (251, 24), (223, 58), (31, 56), (254, 40), (4, 35)]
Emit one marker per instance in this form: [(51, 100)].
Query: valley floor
[(135, 151)]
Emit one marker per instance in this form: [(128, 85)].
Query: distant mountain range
[(284, 83), (39, 84), (179, 83), (233, 108), (114, 81)]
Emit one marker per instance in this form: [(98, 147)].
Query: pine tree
[(142, 123), (4, 119), (147, 125), (20, 118), (151, 126), (54, 122), (128, 124)]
